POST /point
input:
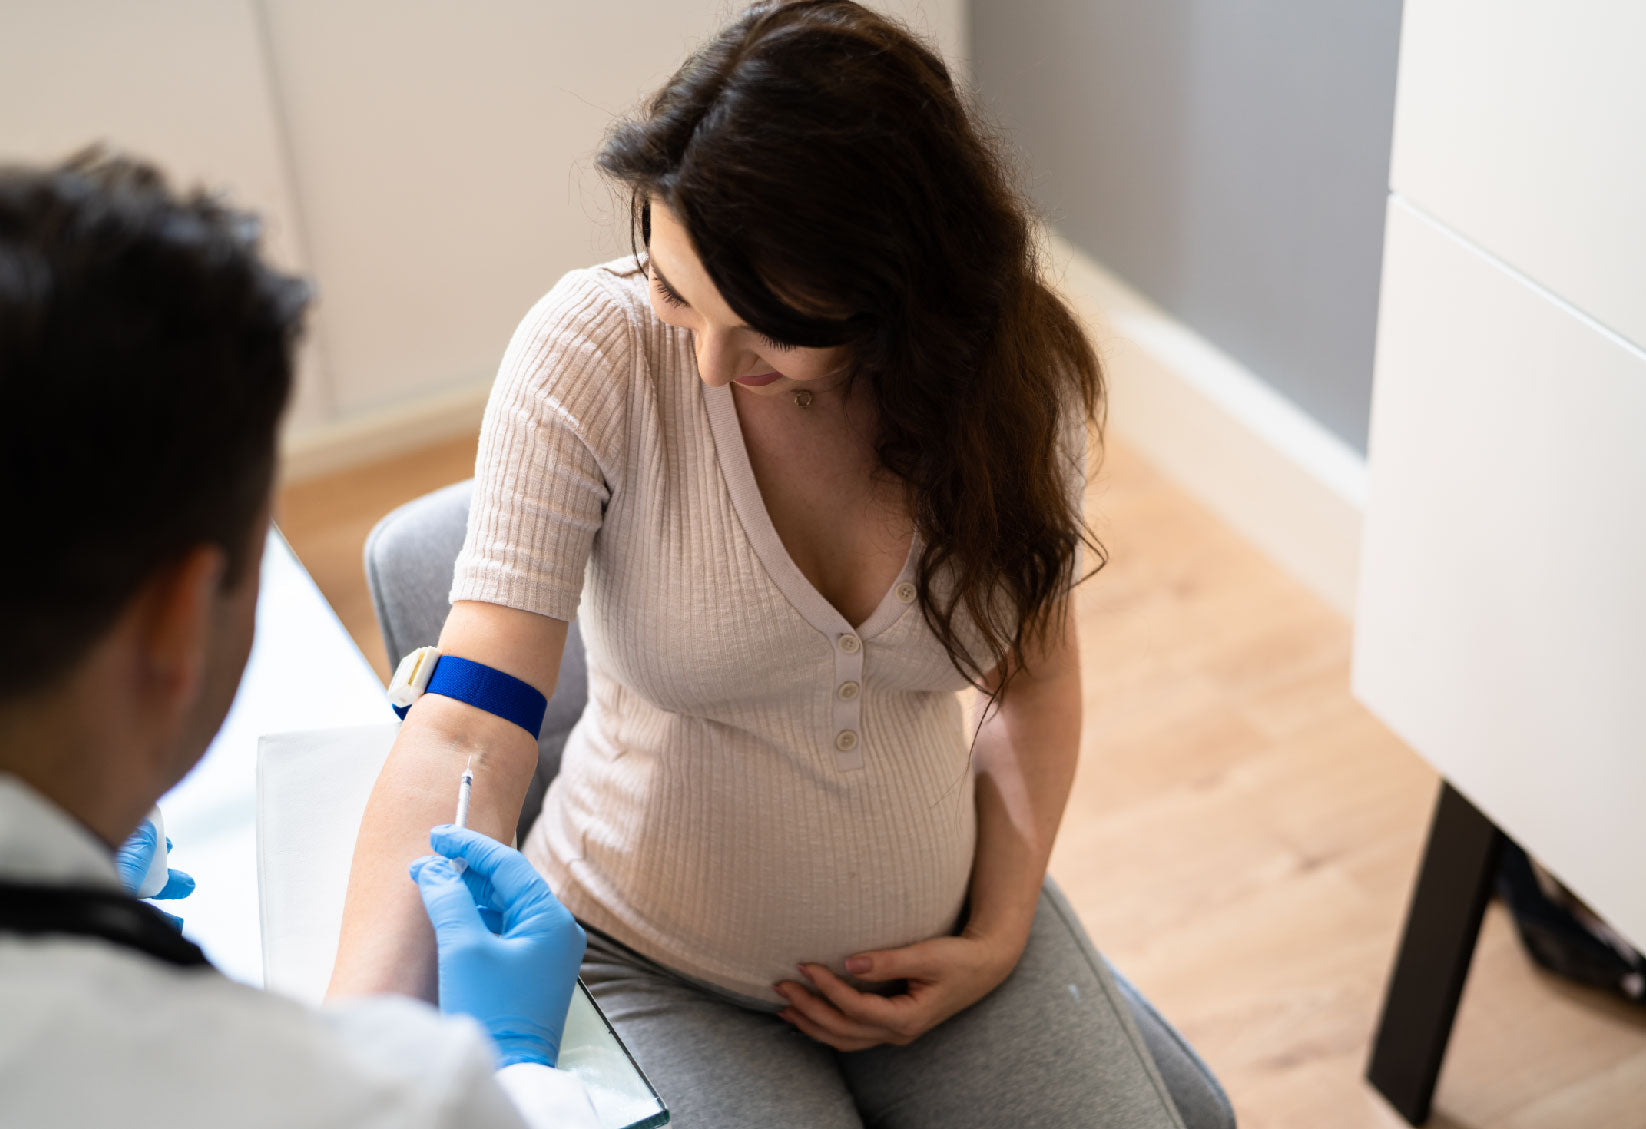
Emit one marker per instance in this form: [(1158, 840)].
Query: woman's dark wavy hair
[(821, 148)]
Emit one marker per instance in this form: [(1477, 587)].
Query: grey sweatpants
[(1054, 1046)]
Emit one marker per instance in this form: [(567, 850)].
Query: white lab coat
[(95, 1034)]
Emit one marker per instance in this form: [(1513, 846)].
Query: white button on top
[(906, 592), (848, 691), (851, 644), (846, 740)]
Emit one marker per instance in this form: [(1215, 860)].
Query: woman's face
[(728, 351)]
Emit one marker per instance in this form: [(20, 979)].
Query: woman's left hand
[(944, 976)]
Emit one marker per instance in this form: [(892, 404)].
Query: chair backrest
[(409, 558)]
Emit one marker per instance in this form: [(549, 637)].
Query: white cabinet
[(1501, 628), (1502, 625), (1502, 620)]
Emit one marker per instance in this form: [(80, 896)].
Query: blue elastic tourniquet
[(487, 689)]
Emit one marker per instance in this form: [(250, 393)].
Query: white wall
[(183, 82), (430, 163), (445, 167)]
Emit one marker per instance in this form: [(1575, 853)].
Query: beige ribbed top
[(755, 782)]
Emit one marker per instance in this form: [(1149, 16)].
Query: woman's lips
[(760, 381)]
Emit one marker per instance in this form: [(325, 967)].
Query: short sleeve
[(551, 450)]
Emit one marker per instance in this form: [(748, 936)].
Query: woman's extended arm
[(1024, 761), (386, 943)]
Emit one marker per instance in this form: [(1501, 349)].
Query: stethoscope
[(89, 911)]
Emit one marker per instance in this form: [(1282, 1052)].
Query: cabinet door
[(180, 82), (1501, 629), (1521, 124)]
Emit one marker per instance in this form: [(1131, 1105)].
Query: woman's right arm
[(387, 944), (550, 449)]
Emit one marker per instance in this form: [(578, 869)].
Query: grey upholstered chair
[(409, 558)]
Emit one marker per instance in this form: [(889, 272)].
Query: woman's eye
[(668, 294)]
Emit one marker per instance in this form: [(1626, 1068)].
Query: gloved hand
[(518, 984), (132, 861)]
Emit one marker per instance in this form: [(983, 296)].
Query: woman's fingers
[(864, 1007), (827, 1038), (920, 961), (826, 1017), (942, 979)]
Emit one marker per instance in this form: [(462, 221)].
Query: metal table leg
[(1454, 882)]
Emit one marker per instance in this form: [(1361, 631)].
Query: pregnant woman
[(805, 466)]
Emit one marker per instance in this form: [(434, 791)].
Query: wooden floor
[(1242, 834)]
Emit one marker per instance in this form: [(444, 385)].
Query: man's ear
[(174, 626)]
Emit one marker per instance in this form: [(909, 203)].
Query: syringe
[(463, 791), (462, 820)]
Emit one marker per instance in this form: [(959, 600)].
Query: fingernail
[(802, 970), (858, 964)]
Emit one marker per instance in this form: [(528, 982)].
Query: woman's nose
[(718, 359)]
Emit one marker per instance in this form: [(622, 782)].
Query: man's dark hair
[(145, 358)]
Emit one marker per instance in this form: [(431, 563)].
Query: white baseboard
[(344, 444), (1279, 478)]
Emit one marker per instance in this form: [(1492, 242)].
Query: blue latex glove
[(519, 983), (132, 862)]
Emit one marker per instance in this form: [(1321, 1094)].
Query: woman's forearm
[(386, 943), (1025, 762)]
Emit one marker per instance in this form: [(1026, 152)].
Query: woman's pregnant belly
[(729, 859)]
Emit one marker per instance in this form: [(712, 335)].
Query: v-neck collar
[(738, 473)]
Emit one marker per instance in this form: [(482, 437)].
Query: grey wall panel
[(1228, 158)]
